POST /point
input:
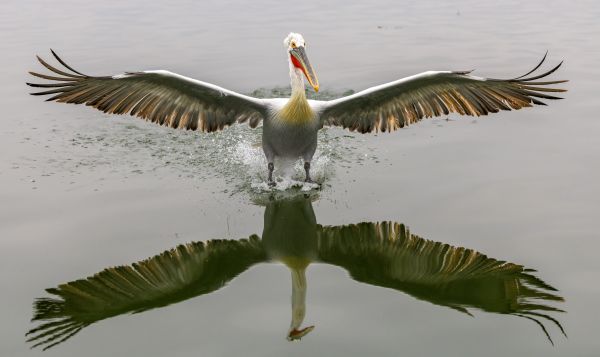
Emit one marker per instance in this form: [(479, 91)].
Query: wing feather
[(161, 97), (430, 94), (386, 254), (172, 276)]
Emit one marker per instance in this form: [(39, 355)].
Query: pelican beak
[(298, 334), (300, 60)]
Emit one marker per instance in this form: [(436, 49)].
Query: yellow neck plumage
[(297, 110)]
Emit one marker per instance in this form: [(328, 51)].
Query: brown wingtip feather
[(545, 74), (62, 83), (163, 98), (64, 64), (454, 92), (536, 67)]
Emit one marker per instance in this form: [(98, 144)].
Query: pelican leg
[(307, 170), (271, 167)]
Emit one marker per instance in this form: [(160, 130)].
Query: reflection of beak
[(299, 55), (298, 303), (298, 334)]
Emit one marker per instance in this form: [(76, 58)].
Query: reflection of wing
[(386, 254), (172, 276)]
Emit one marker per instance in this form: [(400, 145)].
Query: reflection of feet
[(295, 335)]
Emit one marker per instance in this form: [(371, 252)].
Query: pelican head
[(296, 46)]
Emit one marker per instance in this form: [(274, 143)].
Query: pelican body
[(292, 129), (290, 125)]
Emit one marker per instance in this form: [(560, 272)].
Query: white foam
[(287, 175)]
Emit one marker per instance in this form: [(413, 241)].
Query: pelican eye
[(293, 44)]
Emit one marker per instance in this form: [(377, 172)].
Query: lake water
[(81, 192)]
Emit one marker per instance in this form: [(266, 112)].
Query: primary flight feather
[(290, 125)]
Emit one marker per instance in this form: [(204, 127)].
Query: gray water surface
[(81, 191)]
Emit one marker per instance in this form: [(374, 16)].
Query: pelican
[(380, 254), (290, 125)]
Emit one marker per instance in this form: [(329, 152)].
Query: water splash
[(131, 147)]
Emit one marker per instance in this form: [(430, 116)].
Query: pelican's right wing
[(172, 276), (386, 254), (161, 97)]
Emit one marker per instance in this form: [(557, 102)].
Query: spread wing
[(386, 254), (158, 96), (172, 276), (400, 103)]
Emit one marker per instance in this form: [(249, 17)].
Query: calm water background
[(80, 192)]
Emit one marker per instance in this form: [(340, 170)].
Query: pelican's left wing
[(172, 276), (161, 97), (400, 103)]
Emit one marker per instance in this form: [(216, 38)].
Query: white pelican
[(290, 125), (381, 254)]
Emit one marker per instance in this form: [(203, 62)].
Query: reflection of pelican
[(290, 125), (290, 236), (381, 254)]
